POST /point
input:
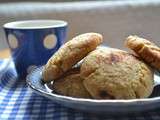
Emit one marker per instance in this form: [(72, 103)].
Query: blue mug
[(33, 42)]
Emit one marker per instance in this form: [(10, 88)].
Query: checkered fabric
[(18, 102)]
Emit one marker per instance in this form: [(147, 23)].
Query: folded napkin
[(18, 102)]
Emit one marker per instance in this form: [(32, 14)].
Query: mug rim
[(53, 24)]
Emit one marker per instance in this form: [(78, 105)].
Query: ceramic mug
[(33, 42)]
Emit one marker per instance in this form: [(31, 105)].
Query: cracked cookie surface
[(71, 84), (145, 49), (110, 73), (69, 54)]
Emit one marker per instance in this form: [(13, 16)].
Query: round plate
[(34, 80)]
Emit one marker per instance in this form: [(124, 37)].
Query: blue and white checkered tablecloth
[(18, 102)]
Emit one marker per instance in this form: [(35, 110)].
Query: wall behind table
[(115, 20)]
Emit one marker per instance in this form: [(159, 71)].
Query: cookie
[(71, 84), (145, 49), (69, 54), (110, 73)]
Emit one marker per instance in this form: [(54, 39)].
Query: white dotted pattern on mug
[(12, 41), (31, 68), (50, 41)]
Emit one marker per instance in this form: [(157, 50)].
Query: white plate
[(34, 80)]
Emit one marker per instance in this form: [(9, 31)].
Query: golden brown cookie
[(71, 84), (115, 74), (69, 54), (145, 49)]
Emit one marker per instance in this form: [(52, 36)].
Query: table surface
[(4, 53)]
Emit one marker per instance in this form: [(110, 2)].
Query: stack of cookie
[(82, 69)]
